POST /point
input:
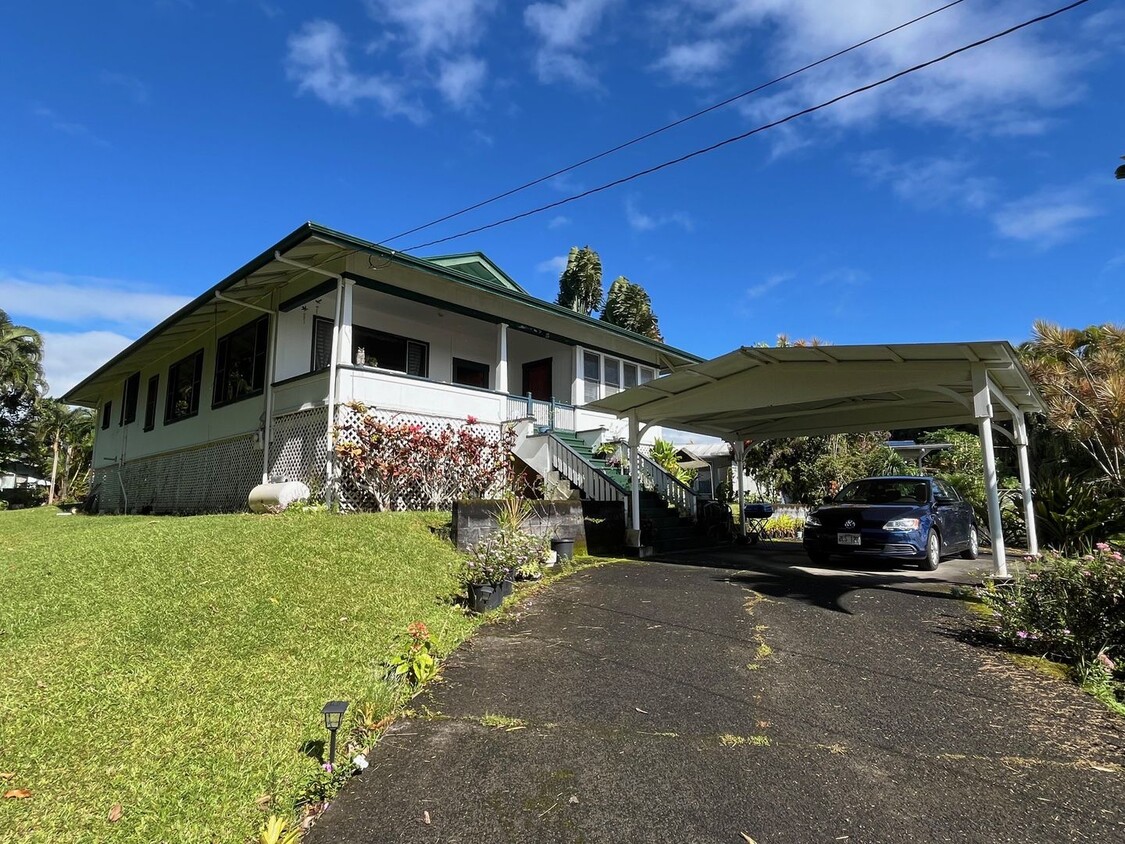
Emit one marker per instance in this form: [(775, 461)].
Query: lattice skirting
[(353, 499), (299, 448), (212, 478)]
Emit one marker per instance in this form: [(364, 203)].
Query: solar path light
[(333, 713)]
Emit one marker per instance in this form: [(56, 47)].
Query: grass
[(176, 666), (502, 722)]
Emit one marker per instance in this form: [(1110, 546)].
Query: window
[(107, 410), (604, 375), (592, 376), (184, 380), (322, 343), (389, 351), (612, 376), (129, 396), (470, 373), (240, 363), (150, 402)]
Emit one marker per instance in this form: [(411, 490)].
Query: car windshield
[(884, 491)]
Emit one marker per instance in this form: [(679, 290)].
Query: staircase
[(664, 527)]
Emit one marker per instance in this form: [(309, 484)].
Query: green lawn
[(176, 665)]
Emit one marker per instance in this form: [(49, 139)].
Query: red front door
[(537, 380)]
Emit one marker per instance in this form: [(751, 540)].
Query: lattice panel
[(214, 478), (299, 448), (355, 499)]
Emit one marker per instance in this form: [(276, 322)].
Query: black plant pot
[(485, 596), (564, 548), (505, 588)]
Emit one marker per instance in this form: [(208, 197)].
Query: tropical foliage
[(67, 434), (803, 468), (397, 465), (628, 305), (665, 455), (580, 285)]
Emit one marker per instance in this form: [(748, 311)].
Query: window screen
[(129, 396), (150, 402), (592, 376)]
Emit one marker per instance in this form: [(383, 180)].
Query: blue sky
[(150, 148)]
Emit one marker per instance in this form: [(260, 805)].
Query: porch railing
[(594, 483), (548, 415), (656, 478)]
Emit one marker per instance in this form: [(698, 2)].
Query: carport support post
[(1025, 485), (635, 478), (982, 409), (739, 452)]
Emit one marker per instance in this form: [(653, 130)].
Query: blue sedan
[(911, 518)]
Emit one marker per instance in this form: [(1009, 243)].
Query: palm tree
[(58, 427), (21, 357), (78, 439)]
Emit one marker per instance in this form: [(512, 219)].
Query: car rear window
[(884, 491)]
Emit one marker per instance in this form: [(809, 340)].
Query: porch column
[(346, 319), (1022, 444), (500, 380), (578, 391), (333, 369), (271, 369), (739, 451), (635, 477), (982, 409)]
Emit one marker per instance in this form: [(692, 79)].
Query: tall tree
[(580, 285), (63, 431), (21, 379), (628, 305), (1081, 375), (21, 357)]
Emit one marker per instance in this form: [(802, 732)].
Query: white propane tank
[(275, 497)]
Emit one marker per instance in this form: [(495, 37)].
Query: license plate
[(848, 539)]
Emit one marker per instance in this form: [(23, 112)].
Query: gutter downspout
[(330, 458)]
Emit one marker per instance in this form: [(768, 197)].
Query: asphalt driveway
[(740, 695)]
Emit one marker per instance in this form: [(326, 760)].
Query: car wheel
[(971, 552), (933, 552)]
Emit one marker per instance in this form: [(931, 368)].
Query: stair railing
[(593, 482), (655, 478), (547, 415)]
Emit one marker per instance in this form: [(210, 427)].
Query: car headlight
[(812, 521), (902, 524)]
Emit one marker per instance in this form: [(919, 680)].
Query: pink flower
[(1108, 663), (1022, 634), (1102, 546)]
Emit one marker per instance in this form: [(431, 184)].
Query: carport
[(764, 393)]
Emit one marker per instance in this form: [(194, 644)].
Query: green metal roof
[(479, 265), (455, 273)]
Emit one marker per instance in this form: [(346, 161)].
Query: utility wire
[(696, 153), (668, 126)]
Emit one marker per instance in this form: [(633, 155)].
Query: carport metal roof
[(764, 393)]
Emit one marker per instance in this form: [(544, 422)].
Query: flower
[(1022, 634), (1106, 662), (1102, 546)]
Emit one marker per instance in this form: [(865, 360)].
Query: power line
[(668, 126), (773, 124)]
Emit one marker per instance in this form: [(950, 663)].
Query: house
[(714, 464), (239, 386)]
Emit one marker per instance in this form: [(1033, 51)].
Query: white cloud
[(760, 290), (435, 26), (1044, 219), (558, 222), (461, 80), (134, 88), (642, 222), (69, 127), (553, 265), (695, 61), (930, 182), (68, 358), (565, 31), (1001, 88), (318, 62), (82, 300)]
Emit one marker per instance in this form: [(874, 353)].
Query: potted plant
[(495, 561), (563, 548)]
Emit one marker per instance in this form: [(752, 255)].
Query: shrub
[(503, 555), (783, 526), (1070, 610)]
